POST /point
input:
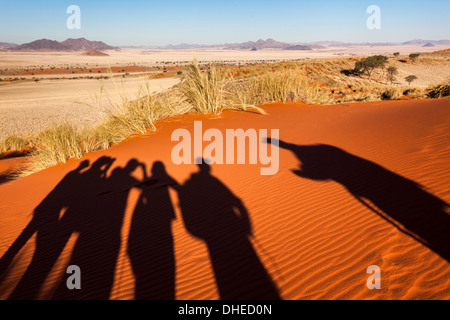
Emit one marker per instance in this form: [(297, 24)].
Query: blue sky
[(136, 22)]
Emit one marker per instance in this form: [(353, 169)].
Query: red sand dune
[(358, 185)]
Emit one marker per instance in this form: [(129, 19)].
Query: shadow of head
[(158, 169), (83, 165), (203, 166), (131, 165), (160, 174)]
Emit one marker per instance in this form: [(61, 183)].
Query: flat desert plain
[(149, 57)]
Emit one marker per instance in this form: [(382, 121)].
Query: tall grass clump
[(58, 143), (204, 91), (212, 90)]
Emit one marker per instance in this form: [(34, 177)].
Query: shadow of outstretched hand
[(400, 201)]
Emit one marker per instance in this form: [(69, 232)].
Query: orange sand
[(373, 193)]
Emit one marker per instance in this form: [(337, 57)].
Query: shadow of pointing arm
[(393, 222), (18, 244)]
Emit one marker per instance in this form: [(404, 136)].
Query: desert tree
[(414, 56), (410, 79), (369, 64), (392, 73), (396, 54)]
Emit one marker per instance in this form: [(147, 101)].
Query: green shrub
[(410, 79), (391, 73), (369, 64), (414, 56)]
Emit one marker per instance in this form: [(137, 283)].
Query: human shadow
[(402, 202), (50, 239), (98, 220), (150, 242), (86, 203), (211, 212)]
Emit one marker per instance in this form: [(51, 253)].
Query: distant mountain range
[(83, 44), (249, 45), (422, 42), (273, 44), (378, 44), (66, 45), (260, 44), (6, 45)]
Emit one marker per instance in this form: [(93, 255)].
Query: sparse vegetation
[(281, 85)]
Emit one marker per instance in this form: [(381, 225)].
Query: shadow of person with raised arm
[(402, 202), (150, 242), (214, 214), (52, 234), (98, 219), (50, 238)]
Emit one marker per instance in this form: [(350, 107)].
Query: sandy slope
[(358, 185)]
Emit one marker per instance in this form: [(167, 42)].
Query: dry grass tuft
[(283, 85), (53, 145), (204, 91), (212, 91), (14, 143)]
